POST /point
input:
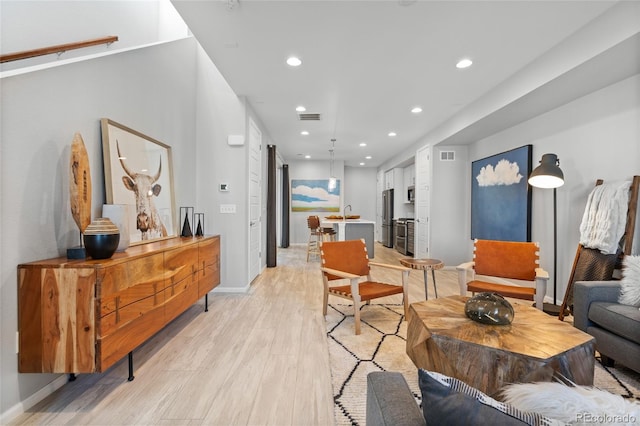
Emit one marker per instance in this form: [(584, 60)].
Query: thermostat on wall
[(224, 187), (235, 139)]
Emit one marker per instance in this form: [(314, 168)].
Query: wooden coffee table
[(531, 349)]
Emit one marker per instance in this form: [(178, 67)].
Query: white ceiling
[(367, 63)]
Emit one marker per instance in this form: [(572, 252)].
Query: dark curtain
[(271, 207), (284, 238)]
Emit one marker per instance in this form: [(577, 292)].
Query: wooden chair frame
[(361, 287)]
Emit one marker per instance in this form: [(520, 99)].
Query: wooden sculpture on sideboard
[(79, 192)]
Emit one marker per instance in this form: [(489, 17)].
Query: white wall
[(28, 25), (450, 221), (595, 137), (310, 169), (358, 188), (219, 113), (360, 191)]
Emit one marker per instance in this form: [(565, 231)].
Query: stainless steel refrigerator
[(387, 218)]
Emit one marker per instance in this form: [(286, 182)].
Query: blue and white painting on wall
[(315, 195), (501, 196)]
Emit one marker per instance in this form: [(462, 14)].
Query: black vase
[(101, 238)]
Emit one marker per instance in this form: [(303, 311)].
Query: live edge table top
[(534, 347)]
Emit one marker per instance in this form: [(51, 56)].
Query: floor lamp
[(549, 175)]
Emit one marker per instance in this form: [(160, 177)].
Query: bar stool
[(317, 234)]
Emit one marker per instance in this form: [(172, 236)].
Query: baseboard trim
[(241, 290), (22, 406)]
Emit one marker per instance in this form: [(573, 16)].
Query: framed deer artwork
[(139, 173)]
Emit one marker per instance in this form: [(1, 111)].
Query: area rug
[(381, 347)]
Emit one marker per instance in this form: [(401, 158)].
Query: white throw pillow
[(630, 283), (573, 405)]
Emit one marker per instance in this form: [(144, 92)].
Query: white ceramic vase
[(119, 215)]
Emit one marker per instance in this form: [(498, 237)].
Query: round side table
[(425, 265)]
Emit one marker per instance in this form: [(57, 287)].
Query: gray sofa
[(615, 327), (390, 401)]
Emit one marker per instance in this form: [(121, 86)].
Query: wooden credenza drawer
[(82, 316), (208, 265)]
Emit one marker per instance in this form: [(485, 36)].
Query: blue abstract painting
[(501, 196), (317, 195)]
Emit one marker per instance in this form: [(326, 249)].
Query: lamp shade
[(548, 174)]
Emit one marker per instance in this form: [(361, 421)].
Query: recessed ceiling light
[(362, 164), (363, 144), (392, 134), (464, 63), (300, 108), (304, 133), (368, 157), (307, 156), (416, 110), (294, 61)]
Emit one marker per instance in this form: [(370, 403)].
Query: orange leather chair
[(508, 268), (348, 260)]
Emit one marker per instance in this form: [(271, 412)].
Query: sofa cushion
[(449, 401), (622, 320)]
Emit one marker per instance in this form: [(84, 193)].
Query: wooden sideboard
[(82, 316)]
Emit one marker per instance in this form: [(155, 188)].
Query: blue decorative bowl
[(489, 308)]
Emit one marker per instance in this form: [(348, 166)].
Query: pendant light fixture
[(332, 179)]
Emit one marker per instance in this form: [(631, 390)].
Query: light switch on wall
[(227, 208)]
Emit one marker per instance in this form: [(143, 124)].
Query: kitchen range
[(404, 235)]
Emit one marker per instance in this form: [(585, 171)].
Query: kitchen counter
[(353, 229)]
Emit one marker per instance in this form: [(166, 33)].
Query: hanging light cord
[(332, 156)]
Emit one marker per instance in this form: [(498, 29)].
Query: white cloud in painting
[(307, 196), (505, 173)]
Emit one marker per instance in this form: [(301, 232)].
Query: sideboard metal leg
[(72, 377), (206, 302), (131, 377)]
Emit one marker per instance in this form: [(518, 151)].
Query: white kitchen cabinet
[(409, 179)]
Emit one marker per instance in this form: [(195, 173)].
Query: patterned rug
[(381, 347)]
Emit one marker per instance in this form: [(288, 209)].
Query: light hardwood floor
[(254, 359)]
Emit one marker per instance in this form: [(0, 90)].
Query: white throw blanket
[(605, 217)]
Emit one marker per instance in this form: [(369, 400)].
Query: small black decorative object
[(199, 217), (186, 226), (101, 238), (489, 308)]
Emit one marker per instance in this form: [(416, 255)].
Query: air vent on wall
[(314, 116), (447, 156)]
